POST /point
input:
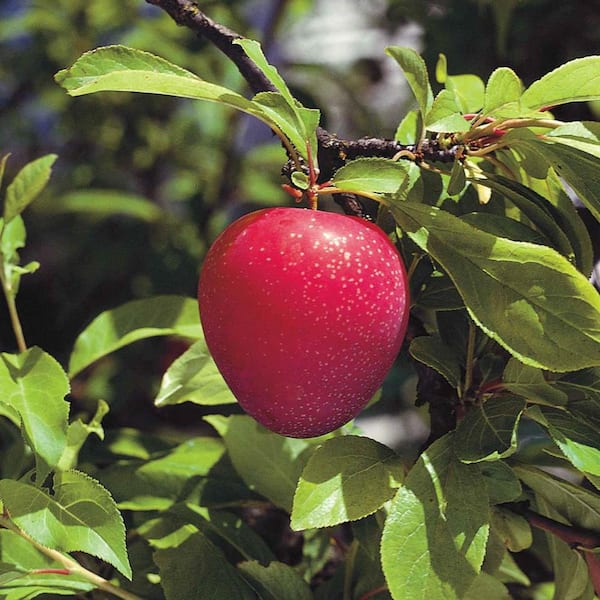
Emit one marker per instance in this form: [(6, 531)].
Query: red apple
[(304, 313)]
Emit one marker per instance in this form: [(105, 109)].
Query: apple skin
[(304, 313)]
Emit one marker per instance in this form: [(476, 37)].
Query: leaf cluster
[(499, 263)]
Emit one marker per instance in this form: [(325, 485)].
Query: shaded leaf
[(269, 464), (432, 351), (578, 168), (513, 529), (26, 185), (194, 377), (532, 205), (277, 581), (571, 575), (577, 505), (345, 479), (157, 483), (198, 570), (34, 385), (501, 482), (530, 383), (575, 81), (133, 321), (106, 203), (435, 536), (80, 516), (489, 430), (528, 298), (576, 437)]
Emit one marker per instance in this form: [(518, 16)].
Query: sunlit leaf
[(527, 297), (445, 114), (371, 175), (34, 385), (575, 81), (133, 321), (415, 70), (502, 93), (79, 516), (194, 377), (347, 478), (436, 531), (26, 186)]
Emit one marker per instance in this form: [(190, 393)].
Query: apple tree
[(486, 288)]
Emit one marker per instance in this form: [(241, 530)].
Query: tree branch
[(333, 151), (188, 14)]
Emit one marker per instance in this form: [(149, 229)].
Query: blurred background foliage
[(144, 183)]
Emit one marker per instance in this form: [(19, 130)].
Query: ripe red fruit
[(304, 313)]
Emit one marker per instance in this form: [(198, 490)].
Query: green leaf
[(277, 581), (198, 570), (468, 91), (568, 219), (579, 169), (34, 385), (487, 586), (575, 81), (435, 535), (155, 484), (409, 129), (513, 529), (506, 227), (223, 528), (371, 175), (294, 127), (122, 69), (79, 516), (433, 352), (269, 464), (415, 70), (133, 321), (440, 293), (19, 557), (489, 430), (503, 93), (572, 502), (528, 298), (26, 185), (347, 478), (305, 120), (107, 203), (571, 576), (501, 482), (539, 211), (530, 383), (194, 377), (578, 439), (78, 432), (583, 390), (445, 114), (458, 179)]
